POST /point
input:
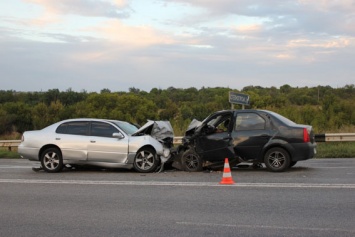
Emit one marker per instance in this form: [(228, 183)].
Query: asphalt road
[(315, 198)]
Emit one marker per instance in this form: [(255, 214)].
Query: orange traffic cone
[(227, 175)]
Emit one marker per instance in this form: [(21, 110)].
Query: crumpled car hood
[(157, 129), (192, 126)]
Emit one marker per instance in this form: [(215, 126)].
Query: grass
[(5, 153), (335, 150)]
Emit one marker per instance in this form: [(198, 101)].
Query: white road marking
[(14, 167), (266, 227), (186, 184), (232, 169), (334, 167)]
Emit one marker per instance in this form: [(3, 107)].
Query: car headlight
[(166, 152)]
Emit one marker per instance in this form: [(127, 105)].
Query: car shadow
[(238, 168), (250, 168), (88, 168)]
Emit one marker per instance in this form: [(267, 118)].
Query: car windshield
[(282, 119), (213, 120), (128, 128)]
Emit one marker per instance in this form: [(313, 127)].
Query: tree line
[(327, 109)]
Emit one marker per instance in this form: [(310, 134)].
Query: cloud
[(327, 44), (317, 17), (130, 36), (211, 43), (96, 65), (248, 29), (112, 9)]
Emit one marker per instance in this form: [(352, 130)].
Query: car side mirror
[(118, 135)]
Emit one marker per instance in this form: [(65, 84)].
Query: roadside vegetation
[(335, 150), (327, 109), (5, 153)]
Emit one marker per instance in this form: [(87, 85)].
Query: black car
[(252, 136)]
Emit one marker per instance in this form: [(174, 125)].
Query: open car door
[(213, 138)]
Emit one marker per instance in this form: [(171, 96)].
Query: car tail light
[(306, 135)]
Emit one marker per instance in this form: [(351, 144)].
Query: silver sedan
[(99, 142)]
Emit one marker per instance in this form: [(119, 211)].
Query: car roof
[(89, 119), (241, 110), (54, 125)]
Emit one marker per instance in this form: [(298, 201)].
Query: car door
[(214, 141), (103, 147), (73, 139), (250, 134)]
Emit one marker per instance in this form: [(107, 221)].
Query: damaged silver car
[(99, 142), (245, 136)]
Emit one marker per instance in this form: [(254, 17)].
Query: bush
[(335, 150)]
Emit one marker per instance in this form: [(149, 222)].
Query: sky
[(90, 45)]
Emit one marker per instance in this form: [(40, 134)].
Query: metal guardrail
[(335, 137), (177, 140), (327, 137), (10, 143)]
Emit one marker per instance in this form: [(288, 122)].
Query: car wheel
[(52, 160), (145, 161), (277, 159), (191, 161), (292, 163)]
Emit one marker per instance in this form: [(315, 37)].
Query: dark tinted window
[(102, 129), (249, 121), (62, 128), (74, 128)]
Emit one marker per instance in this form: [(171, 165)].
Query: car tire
[(277, 159), (145, 161), (191, 161), (52, 160)]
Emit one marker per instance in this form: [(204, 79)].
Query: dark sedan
[(251, 136)]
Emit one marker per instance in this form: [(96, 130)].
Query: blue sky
[(117, 44)]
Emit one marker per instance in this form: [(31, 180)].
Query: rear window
[(74, 128)]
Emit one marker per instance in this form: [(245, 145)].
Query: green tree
[(40, 116)]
